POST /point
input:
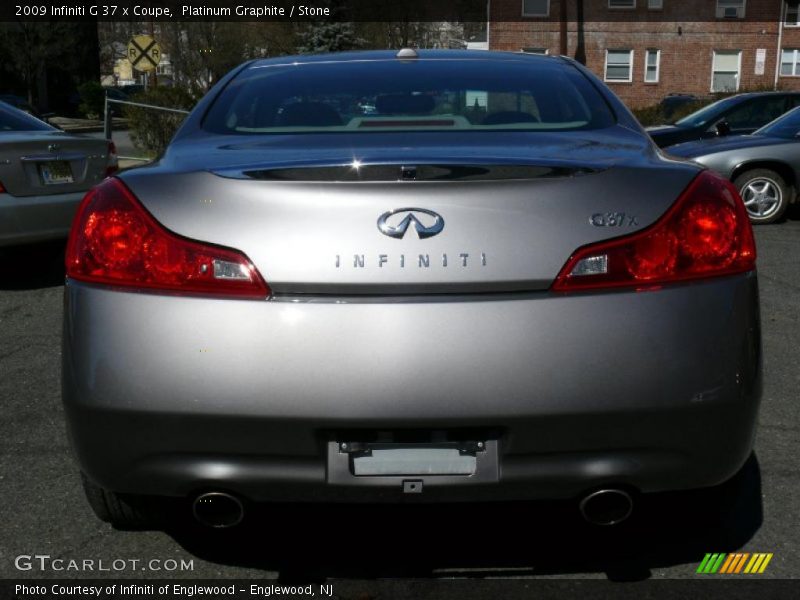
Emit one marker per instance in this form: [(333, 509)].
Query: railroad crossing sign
[(144, 53)]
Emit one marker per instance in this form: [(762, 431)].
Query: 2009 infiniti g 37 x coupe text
[(432, 276)]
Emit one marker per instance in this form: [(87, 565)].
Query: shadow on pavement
[(793, 212), (310, 543), (32, 267)]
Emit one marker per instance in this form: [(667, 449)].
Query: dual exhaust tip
[(605, 507), (219, 510)]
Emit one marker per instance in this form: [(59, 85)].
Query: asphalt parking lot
[(46, 513)]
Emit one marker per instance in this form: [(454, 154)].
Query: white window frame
[(720, 12), (738, 72), (631, 7), (546, 14), (630, 65), (658, 64), (655, 4), (786, 22), (795, 63)]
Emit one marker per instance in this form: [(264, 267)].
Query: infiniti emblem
[(395, 223)]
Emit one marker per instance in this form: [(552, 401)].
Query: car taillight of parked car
[(113, 159), (114, 241), (706, 233)]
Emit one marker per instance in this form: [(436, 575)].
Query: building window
[(619, 65), (535, 8), (621, 3), (789, 63), (535, 50), (655, 4), (652, 65), (730, 9), (793, 13), (725, 70)]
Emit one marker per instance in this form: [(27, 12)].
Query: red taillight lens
[(2, 188), (706, 233), (115, 241), (113, 159)]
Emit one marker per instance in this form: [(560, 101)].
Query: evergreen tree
[(328, 36)]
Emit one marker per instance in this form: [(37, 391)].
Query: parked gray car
[(492, 286), (44, 173), (764, 166)]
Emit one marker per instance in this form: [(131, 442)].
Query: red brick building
[(647, 49)]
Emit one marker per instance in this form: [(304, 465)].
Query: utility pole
[(155, 71)]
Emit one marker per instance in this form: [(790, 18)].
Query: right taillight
[(114, 241), (706, 233)]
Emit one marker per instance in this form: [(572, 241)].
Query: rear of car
[(491, 286), (44, 173)]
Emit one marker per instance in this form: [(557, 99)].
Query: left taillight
[(114, 241), (112, 166)]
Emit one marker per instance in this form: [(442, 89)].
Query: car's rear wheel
[(123, 511), (765, 193)]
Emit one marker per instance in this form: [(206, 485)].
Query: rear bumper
[(30, 219), (655, 390)]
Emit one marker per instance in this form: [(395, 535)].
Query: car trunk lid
[(453, 228), (44, 163)]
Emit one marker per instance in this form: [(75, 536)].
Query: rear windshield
[(12, 119), (787, 126), (417, 95)]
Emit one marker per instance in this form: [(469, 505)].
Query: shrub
[(93, 98), (688, 109), (649, 115), (151, 130)]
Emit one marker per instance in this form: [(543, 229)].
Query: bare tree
[(405, 34), (202, 52), (29, 46), (114, 37)]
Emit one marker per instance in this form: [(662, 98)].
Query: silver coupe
[(492, 286)]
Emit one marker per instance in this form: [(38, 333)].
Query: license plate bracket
[(412, 461), (430, 464), (56, 172)]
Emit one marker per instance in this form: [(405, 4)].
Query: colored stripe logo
[(734, 564)]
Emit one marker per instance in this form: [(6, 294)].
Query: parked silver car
[(44, 173), (491, 287), (764, 166)]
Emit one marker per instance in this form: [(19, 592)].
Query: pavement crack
[(794, 428), (780, 281), (11, 353), (88, 541)]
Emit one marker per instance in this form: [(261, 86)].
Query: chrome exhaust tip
[(218, 510), (606, 507)]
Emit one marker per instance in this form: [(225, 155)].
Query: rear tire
[(765, 193), (123, 511)]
